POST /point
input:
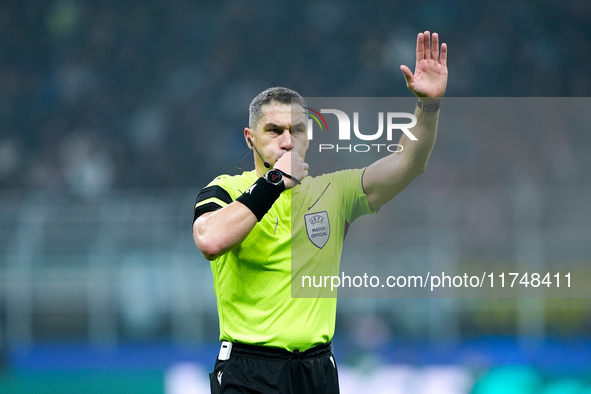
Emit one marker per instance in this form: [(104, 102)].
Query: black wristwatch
[(275, 178)]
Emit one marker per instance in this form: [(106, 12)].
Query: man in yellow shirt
[(247, 226)]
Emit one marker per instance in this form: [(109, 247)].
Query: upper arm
[(211, 198), (220, 223), (199, 221), (352, 199), (385, 178)]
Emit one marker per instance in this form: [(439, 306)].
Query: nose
[(286, 142)]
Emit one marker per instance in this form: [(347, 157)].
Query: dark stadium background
[(113, 114)]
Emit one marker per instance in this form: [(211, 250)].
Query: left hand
[(430, 76)]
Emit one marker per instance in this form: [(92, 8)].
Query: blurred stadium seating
[(114, 114)]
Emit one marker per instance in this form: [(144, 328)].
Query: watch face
[(274, 177)]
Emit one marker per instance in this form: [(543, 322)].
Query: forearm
[(218, 232), (388, 176), (415, 154)]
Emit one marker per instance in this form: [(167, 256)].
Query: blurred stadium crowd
[(96, 95), (128, 107)]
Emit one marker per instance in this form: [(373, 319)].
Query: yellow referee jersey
[(302, 234)]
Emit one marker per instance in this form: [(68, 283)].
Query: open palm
[(430, 76)]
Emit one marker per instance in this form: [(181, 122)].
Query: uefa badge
[(318, 228)]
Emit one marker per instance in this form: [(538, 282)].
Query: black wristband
[(260, 197)]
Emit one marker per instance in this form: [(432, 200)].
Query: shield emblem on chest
[(318, 228)]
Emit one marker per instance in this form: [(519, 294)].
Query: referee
[(246, 226)]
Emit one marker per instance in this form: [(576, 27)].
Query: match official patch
[(318, 228)]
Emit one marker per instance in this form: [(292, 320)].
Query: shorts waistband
[(278, 353)]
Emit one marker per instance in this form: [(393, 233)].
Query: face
[(280, 130)]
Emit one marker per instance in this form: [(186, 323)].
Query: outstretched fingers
[(435, 47), (428, 48), (427, 45), (407, 73), (443, 58), (420, 47), (429, 78)]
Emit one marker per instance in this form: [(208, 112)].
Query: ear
[(248, 133)]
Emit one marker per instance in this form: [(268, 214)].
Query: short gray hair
[(279, 94)]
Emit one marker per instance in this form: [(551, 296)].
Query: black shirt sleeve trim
[(209, 207), (214, 191)]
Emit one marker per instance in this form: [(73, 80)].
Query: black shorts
[(258, 369)]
